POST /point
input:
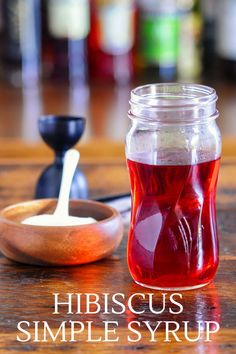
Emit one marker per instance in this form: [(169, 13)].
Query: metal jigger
[(60, 133)]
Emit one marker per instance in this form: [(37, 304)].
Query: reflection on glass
[(32, 109), (117, 123), (79, 95)]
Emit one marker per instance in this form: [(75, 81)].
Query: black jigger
[(61, 133)]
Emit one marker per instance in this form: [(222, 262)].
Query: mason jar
[(173, 151)]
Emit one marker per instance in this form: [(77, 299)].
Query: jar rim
[(173, 94), (181, 101)]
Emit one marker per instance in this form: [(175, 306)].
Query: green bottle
[(158, 37)]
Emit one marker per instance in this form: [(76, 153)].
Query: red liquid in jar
[(173, 241)]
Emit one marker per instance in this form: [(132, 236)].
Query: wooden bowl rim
[(114, 214)]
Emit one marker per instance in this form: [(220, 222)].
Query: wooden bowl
[(62, 245)]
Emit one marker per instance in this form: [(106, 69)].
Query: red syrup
[(173, 241)]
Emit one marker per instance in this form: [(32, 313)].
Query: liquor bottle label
[(116, 27), (226, 28), (159, 39), (68, 19)]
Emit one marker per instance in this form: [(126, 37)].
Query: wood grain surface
[(26, 291)]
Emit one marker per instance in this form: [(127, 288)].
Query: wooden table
[(26, 292)]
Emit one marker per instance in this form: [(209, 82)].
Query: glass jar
[(173, 154)]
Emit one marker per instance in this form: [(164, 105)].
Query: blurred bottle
[(189, 58), (226, 37), (21, 44), (66, 26), (208, 36), (158, 37), (111, 40), (1, 41)]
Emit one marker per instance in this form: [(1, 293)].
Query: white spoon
[(61, 216)]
